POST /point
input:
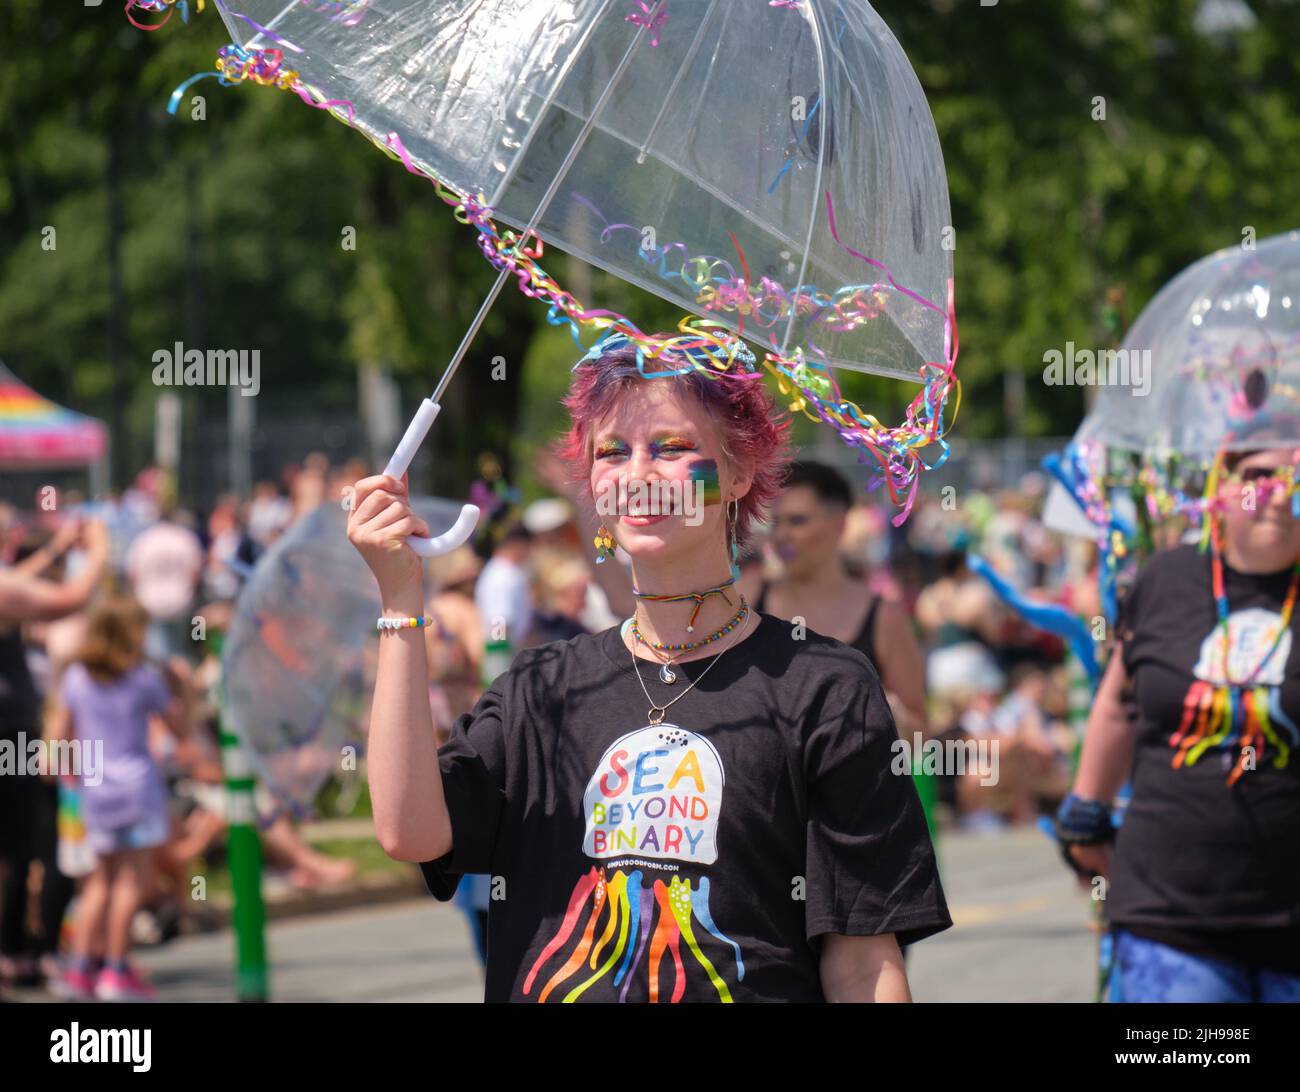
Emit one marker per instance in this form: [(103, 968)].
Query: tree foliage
[(226, 232)]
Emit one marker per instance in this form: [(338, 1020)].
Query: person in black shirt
[(28, 804), (724, 821), (1204, 880), (808, 522)]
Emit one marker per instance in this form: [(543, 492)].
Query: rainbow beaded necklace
[(691, 646), (1219, 587)]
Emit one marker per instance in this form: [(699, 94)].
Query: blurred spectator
[(808, 525), (554, 527), (106, 699), (550, 522), (269, 513), (164, 566), (959, 614), (25, 596), (220, 579), (561, 581), (29, 805), (309, 484), (455, 640), (502, 594)]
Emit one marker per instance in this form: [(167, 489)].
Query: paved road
[(1020, 935)]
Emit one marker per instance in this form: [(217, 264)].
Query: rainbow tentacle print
[(618, 920), (1217, 717), (1250, 729), (667, 936), (1219, 723), (1277, 716), (1264, 716), (679, 901), (700, 903), (1196, 712), (646, 905), (643, 922), (577, 900), (579, 954)]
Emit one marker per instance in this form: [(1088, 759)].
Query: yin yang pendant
[(667, 674)]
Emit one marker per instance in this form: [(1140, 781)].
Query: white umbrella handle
[(397, 466)]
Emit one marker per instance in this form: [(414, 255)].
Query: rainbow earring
[(733, 515), (604, 543)]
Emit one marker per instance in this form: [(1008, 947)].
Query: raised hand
[(378, 526)]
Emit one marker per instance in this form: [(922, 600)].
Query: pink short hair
[(753, 438)]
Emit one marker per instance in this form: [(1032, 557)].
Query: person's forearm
[(36, 562), (410, 812), (902, 671), (72, 595), (857, 969), (1108, 742)]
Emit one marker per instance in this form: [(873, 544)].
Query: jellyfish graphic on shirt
[(1239, 704), (655, 795)]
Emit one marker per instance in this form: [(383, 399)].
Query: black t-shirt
[(20, 704), (695, 860), (1201, 863)]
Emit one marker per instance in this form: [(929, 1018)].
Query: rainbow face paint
[(705, 473), (681, 487), (672, 445)]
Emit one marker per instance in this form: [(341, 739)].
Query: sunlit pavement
[(1020, 934), (1020, 925)]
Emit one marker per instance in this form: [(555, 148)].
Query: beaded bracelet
[(382, 624)]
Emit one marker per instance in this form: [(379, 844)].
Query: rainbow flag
[(35, 432)]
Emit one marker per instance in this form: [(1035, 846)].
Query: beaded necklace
[(1221, 603), (691, 646)]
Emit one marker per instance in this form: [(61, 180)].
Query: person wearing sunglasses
[(1201, 881)]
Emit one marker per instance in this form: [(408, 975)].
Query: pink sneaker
[(74, 985), (123, 986)]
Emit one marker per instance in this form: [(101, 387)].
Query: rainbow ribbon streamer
[(158, 7)]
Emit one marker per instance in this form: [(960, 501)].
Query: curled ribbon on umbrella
[(158, 6), (651, 16)]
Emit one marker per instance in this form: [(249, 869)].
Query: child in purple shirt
[(106, 699)]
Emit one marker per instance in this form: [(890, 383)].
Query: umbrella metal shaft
[(543, 205)]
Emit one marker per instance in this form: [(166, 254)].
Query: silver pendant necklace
[(656, 714), (667, 675)]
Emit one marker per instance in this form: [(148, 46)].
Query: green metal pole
[(1078, 702), (245, 855), (928, 791)]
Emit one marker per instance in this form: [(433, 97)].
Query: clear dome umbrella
[(1210, 362), (772, 168), (298, 661)]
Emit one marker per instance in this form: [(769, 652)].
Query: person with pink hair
[(701, 804)]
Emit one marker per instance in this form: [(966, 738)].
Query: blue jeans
[(1146, 970)]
